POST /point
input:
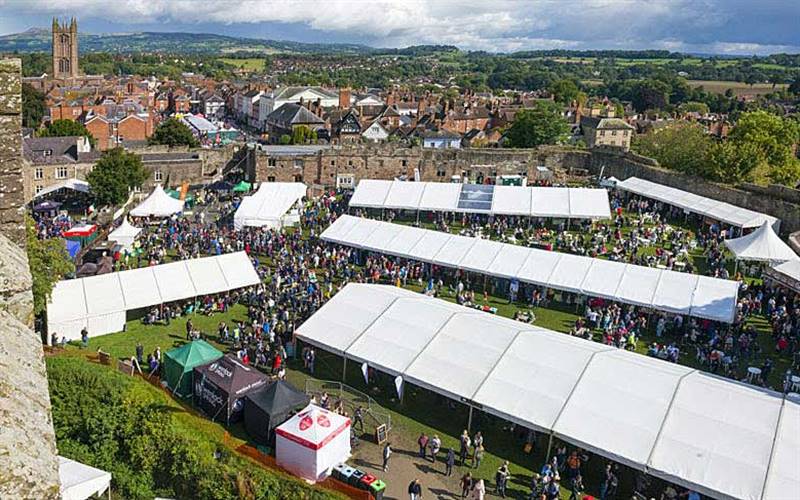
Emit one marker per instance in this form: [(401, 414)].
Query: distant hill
[(39, 40)]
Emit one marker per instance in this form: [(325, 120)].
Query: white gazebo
[(761, 245), (313, 441), (79, 481), (158, 204), (125, 234)]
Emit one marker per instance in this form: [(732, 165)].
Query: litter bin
[(342, 472), (377, 488), (355, 478), (366, 481)]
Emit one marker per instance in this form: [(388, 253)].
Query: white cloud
[(493, 25)]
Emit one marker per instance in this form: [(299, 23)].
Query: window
[(61, 173), (333, 163), (47, 152), (38, 189), (158, 176), (404, 163), (271, 162), (298, 178), (624, 133), (613, 132), (440, 172), (350, 163), (38, 173), (137, 189), (380, 163), (602, 133), (298, 164), (271, 178)]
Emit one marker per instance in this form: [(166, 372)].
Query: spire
[(55, 23)]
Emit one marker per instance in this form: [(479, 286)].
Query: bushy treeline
[(150, 445)]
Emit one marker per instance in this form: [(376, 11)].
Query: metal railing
[(374, 414)]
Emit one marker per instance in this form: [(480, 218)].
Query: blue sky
[(706, 26)]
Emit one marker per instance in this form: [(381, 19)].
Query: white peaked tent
[(310, 443), (787, 274), (125, 234), (269, 205), (722, 438), (79, 481), (158, 204), (761, 245)]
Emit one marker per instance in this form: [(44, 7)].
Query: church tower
[(65, 49)]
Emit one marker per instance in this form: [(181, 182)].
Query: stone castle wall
[(388, 162), (28, 453)]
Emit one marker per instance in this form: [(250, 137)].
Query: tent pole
[(735, 268), (344, 367), (549, 446), (469, 420)]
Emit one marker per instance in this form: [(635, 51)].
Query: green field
[(739, 88), (251, 64)]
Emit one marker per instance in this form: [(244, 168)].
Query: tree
[(302, 135), (650, 94), (542, 124), (564, 91), (66, 128), (173, 132), (48, 261), (681, 147), (774, 136), (33, 106), (794, 87), (114, 175), (694, 107), (731, 162)]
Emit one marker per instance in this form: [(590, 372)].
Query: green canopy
[(179, 363), (242, 187), (177, 195)]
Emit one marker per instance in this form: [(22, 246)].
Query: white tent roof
[(762, 245), (508, 200), (787, 274), (79, 481), (661, 289), (100, 302), (717, 436), (690, 202), (73, 184), (269, 204), (158, 204), (126, 230), (313, 427)]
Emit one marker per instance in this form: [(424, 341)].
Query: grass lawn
[(251, 64), (739, 88)]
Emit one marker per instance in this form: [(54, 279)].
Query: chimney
[(344, 98)]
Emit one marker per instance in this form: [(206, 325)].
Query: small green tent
[(242, 187), (179, 363)]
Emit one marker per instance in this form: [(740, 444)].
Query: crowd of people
[(300, 272)]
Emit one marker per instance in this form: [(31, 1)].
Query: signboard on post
[(380, 434)]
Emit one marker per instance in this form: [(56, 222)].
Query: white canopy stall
[(269, 205), (125, 234), (80, 482), (717, 436), (312, 442), (100, 303), (158, 204), (660, 289), (761, 245), (561, 202), (692, 203)]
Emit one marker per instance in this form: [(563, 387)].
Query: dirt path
[(405, 465)]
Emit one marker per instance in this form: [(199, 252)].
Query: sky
[(697, 26)]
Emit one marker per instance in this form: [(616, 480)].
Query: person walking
[(387, 452), (358, 417), (422, 441), (576, 487), (464, 447), (501, 478), (436, 445), (415, 490), (477, 458), (450, 462), (479, 490), (466, 484)]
